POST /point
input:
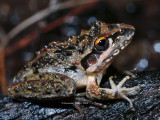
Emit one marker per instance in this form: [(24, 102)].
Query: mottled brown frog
[(61, 68)]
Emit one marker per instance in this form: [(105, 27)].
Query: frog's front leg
[(39, 86), (116, 91)]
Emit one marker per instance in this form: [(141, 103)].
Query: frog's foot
[(120, 92), (116, 91)]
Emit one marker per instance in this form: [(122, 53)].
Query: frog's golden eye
[(101, 43)]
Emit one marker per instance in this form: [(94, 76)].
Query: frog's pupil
[(102, 45), (102, 42)]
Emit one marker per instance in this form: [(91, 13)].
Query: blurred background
[(28, 25)]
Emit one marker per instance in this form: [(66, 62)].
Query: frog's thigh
[(51, 87), (116, 91)]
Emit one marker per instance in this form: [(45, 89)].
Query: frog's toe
[(122, 92)]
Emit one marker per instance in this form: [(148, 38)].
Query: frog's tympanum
[(59, 69)]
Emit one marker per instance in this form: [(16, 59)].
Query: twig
[(22, 43), (49, 27), (2, 72), (40, 15), (74, 12)]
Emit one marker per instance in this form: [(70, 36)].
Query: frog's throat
[(100, 60)]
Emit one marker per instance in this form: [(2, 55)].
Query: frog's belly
[(77, 75)]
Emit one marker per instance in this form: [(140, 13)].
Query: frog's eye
[(101, 43)]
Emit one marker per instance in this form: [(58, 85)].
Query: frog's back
[(62, 57)]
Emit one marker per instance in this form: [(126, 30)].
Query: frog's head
[(107, 42)]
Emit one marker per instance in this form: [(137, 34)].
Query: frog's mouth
[(107, 57)]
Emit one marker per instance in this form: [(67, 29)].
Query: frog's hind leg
[(116, 91), (51, 86)]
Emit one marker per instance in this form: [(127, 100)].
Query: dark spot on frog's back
[(48, 91), (63, 78), (35, 71), (82, 49), (71, 47), (95, 29), (41, 76), (67, 53), (41, 58), (96, 24), (25, 66), (34, 89), (16, 89), (72, 68), (35, 65), (81, 38), (51, 46)]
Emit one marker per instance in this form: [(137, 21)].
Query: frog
[(59, 69)]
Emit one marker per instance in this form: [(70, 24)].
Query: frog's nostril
[(133, 30), (130, 32)]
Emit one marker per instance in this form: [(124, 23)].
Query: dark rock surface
[(146, 102)]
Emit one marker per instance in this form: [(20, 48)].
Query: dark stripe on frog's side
[(89, 60)]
